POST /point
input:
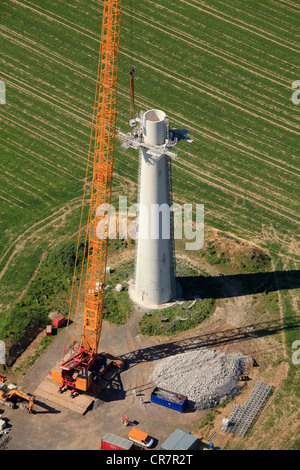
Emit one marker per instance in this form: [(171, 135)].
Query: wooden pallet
[(49, 391)]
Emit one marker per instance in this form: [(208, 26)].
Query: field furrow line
[(10, 202), (23, 86), (54, 16), (236, 148), (224, 141), (223, 52), (53, 130), (42, 134), (26, 5), (241, 24), (295, 7), (39, 158), (241, 106), (263, 186), (34, 188), (268, 22), (242, 191), (67, 208), (56, 130), (226, 215), (185, 168), (44, 52), (233, 60), (12, 183), (176, 35), (9, 194)]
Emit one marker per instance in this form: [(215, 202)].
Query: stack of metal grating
[(242, 417)]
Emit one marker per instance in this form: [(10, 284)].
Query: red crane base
[(83, 370)]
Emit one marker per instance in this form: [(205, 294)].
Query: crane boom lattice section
[(105, 129)]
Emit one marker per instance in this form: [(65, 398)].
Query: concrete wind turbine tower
[(154, 277)]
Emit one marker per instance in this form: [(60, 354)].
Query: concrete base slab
[(141, 304)]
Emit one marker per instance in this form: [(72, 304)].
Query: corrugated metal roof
[(117, 440), (179, 440)]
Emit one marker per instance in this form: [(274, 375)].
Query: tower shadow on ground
[(235, 285), (214, 339), (218, 287)]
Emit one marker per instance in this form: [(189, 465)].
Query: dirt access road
[(51, 427)]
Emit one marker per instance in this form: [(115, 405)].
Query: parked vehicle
[(140, 437)]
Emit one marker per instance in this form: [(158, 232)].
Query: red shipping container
[(58, 320), (112, 442)]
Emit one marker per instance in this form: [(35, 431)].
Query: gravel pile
[(205, 376)]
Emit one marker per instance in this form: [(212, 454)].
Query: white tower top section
[(154, 127)]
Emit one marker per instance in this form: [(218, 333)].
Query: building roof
[(180, 440), (118, 441)]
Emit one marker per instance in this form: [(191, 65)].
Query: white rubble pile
[(205, 376)]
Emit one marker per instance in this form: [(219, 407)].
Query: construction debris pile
[(205, 376)]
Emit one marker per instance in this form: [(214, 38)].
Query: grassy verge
[(48, 291)]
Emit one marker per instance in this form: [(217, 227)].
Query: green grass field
[(223, 69)]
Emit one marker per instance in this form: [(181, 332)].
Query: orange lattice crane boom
[(77, 373), (102, 174)]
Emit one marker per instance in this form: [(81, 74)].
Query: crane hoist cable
[(132, 70), (81, 222), (132, 110)]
